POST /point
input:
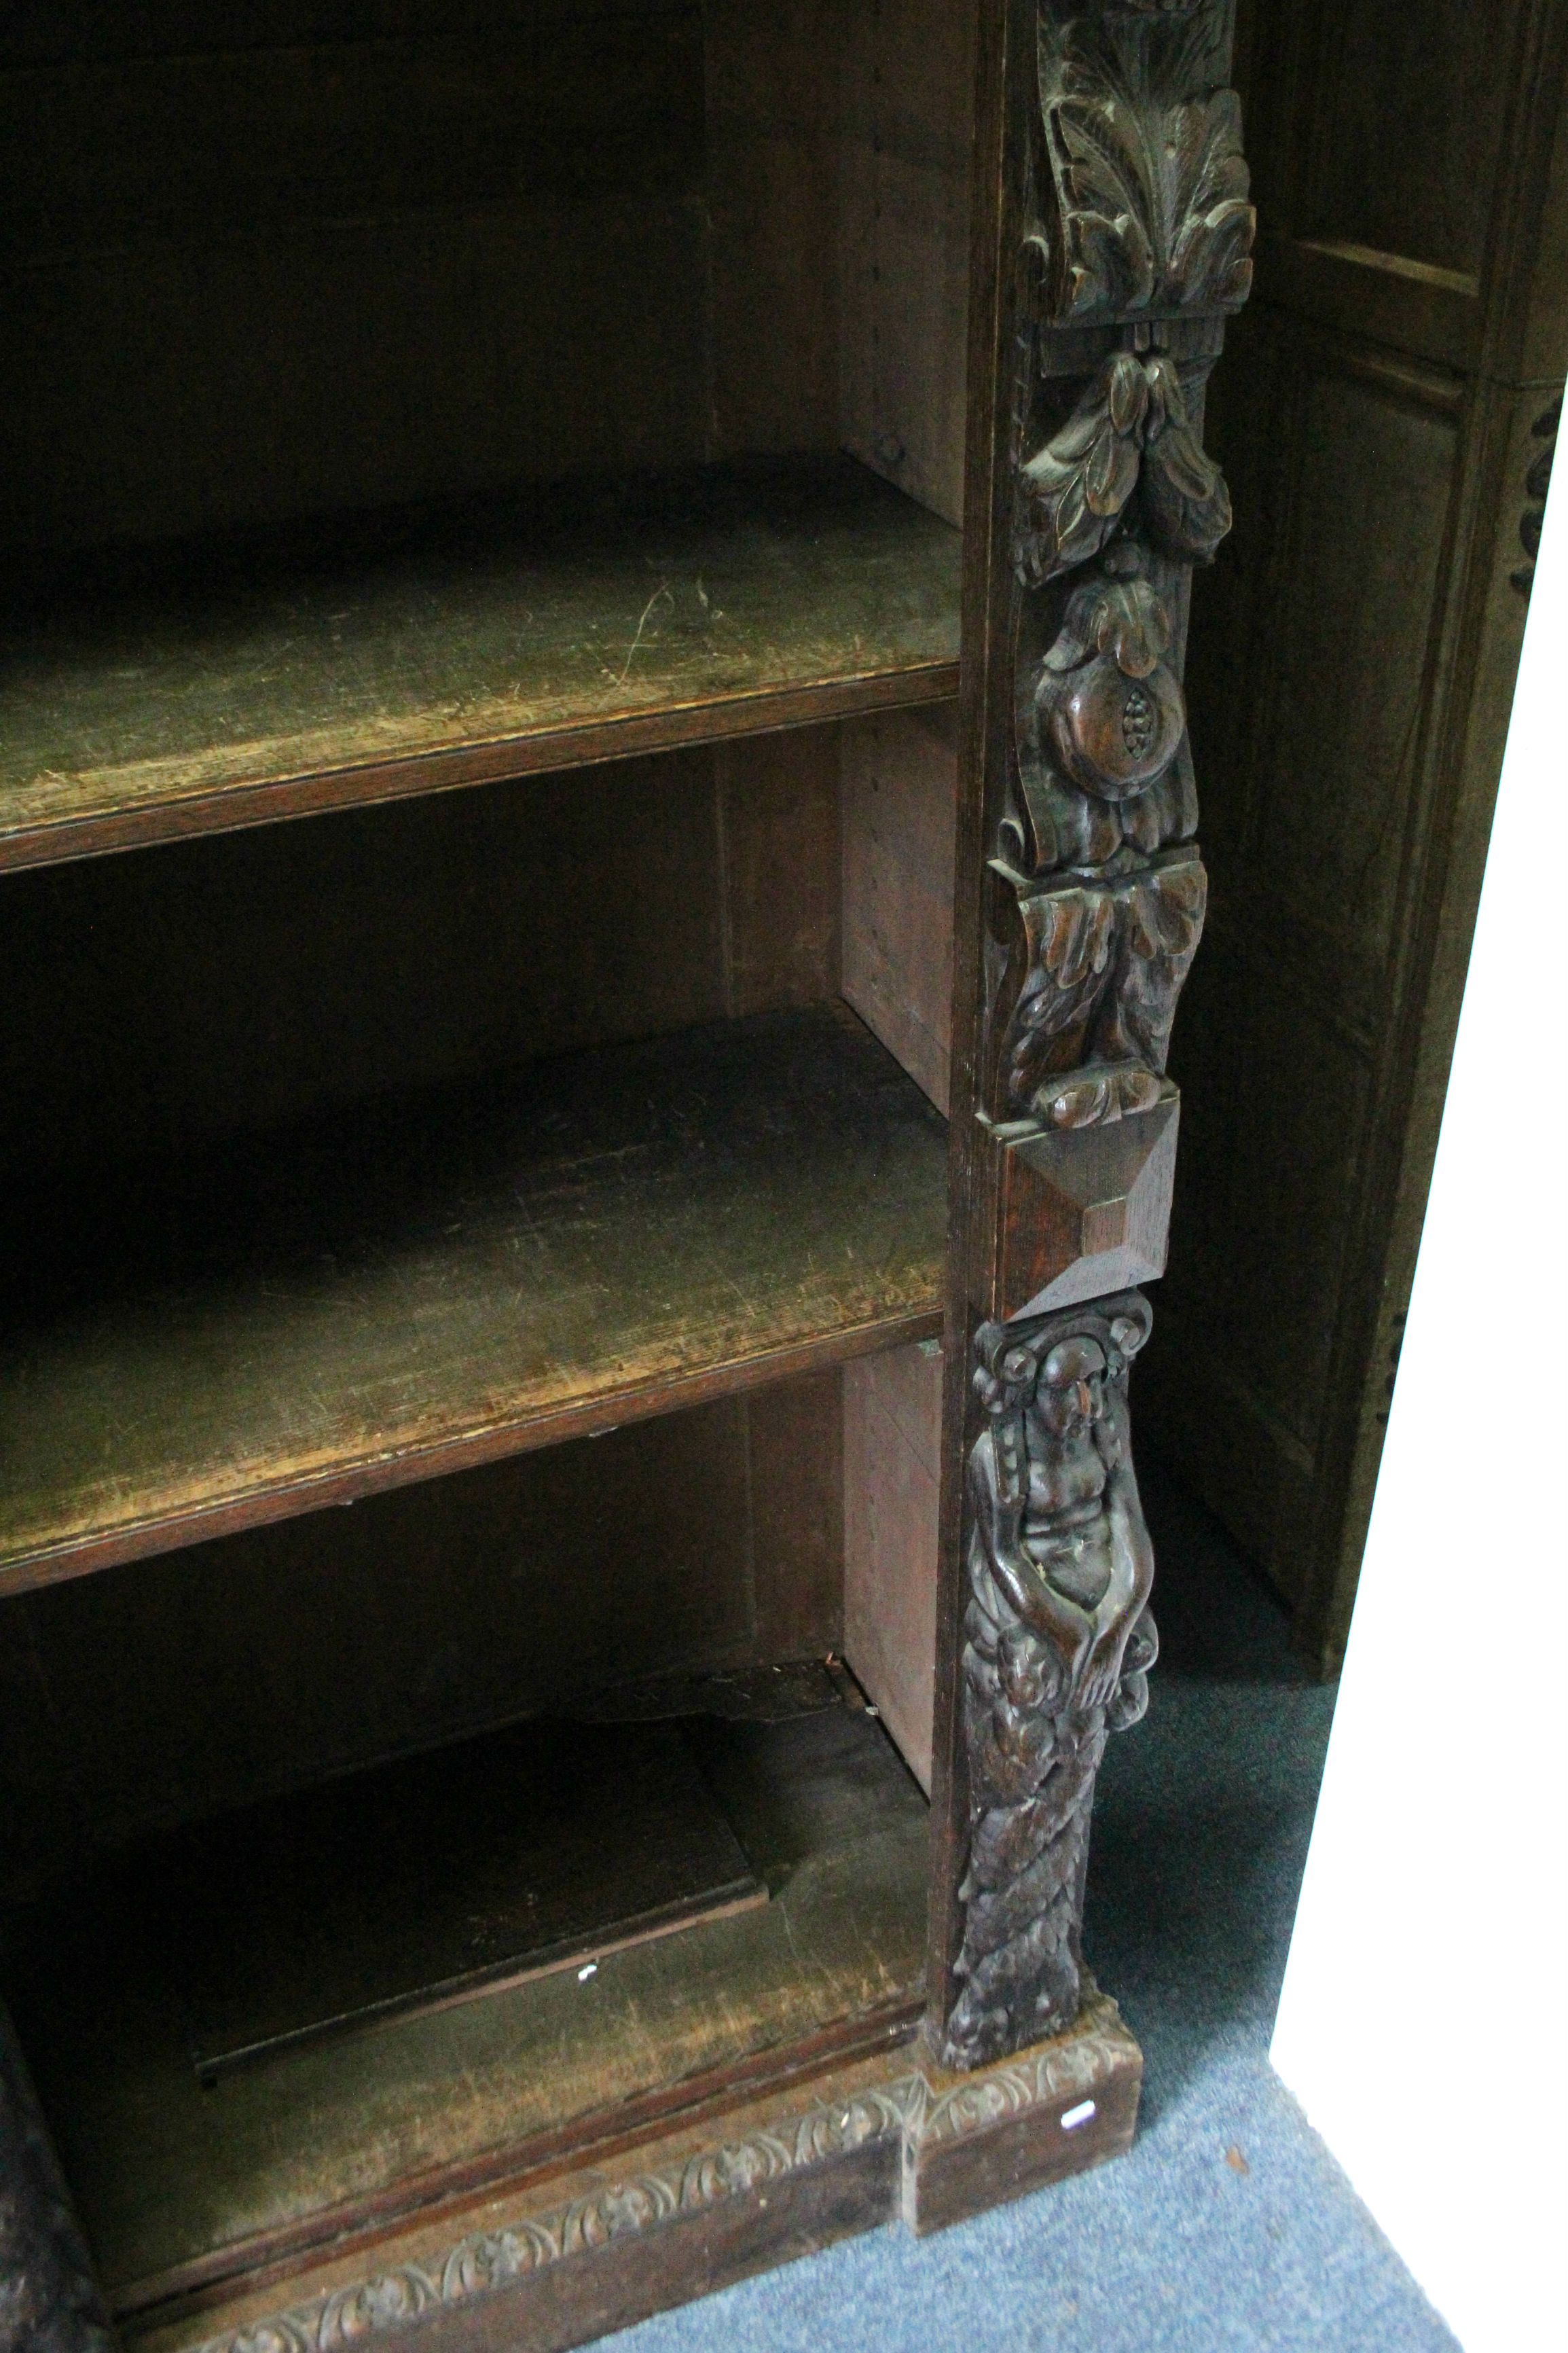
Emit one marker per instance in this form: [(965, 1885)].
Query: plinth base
[(976, 2140), (709, 2202)]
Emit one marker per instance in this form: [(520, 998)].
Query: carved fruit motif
[(1112, 733)]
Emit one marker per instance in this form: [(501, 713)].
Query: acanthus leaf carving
[(1131, 428), (1153, 211), (491, 2261)]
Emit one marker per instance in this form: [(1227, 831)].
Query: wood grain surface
[(146, 696), (178, 2184), (434, 1282), (536, 1848)]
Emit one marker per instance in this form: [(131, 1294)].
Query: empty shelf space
[(181, 2185), (143, 697), (432, 1282)]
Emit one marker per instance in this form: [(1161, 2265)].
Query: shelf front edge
[(231, 808), (108, 1548)]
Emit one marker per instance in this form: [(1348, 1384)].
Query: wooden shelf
[(427, 1284), (181, 2188), (222, 684)]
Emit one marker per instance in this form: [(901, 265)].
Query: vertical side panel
[(905, 111), (900, 811), (772, 216), (892, 1479), (796, 1439)]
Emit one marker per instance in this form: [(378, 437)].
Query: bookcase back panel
[(163, 1000), (176, 1688), (304, 259), (292, 265)]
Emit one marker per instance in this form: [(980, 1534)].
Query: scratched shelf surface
[(437, 1281), (188, 690)]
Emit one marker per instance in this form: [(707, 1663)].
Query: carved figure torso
[(1059, 1642)]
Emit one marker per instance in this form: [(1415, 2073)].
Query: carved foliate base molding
[(889, 2136), (49, 2301)]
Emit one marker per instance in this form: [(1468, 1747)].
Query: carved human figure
[(1057, 1644)]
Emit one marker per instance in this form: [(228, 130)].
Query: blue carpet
[(1229, 2225)]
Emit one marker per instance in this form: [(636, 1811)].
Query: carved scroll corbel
[(1141, 245)]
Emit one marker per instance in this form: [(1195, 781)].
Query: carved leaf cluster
[(1152, 193), (1130, 429), (1123, 618)]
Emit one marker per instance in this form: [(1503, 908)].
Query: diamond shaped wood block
[(1084, 1211)]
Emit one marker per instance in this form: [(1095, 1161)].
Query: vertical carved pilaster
[(49, 2302), (1057, 1645), (1138, 235)]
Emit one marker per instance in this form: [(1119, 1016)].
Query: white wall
[(1422, 2025)]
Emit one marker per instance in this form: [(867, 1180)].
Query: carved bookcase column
[(1121, 239)]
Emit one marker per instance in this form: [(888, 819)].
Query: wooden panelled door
[(1385, 418)]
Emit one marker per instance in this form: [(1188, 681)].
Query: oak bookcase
[(598, 854)]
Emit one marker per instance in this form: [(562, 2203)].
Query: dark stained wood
[(1117, 242), (426, 1881), (436, 1284), (987, 2135), (899, 808), (1058, 1641), (299, 258), (795, 1472), (144, 697), (241, 983), (1005, 38), (49, 2301), (178, 2184), (892, 1484), (1376, 418), (905, 108), (700, 1541), (675, 2215), (312, 1216), (771, 74), (1082, 1211), (777, 811), (552, 2261), (234, 128)]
